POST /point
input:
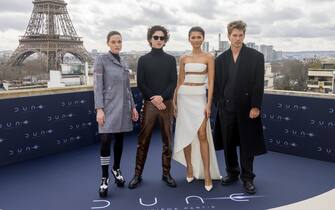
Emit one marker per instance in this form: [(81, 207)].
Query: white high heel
[(190, 179), (209, 187)]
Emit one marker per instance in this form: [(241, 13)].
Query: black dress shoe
[(249, 187), (119, 180), (169, 180), (227, 180), (103, 189), (135, 182)]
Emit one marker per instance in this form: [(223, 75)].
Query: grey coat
[(112, 93)]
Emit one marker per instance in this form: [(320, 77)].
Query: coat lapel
[(123, 64), (242, 62), (225, 69), (110, 56)]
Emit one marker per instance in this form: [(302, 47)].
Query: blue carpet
[(69, 181)]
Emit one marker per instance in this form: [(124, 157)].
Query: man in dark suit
[(238, 93)]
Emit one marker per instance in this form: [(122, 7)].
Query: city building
[(223, 46), (267, 50), (205, 46), (268, 77), (252, 45), (322, 79), (23, 84)]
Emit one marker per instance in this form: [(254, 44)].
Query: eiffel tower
[(50, 32)]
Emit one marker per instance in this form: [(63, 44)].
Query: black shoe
[(103, 189), (119, 180), (249, 187), (169, 180), (135, 182), (227, 180)]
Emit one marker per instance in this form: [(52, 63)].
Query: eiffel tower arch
[(50, 32)]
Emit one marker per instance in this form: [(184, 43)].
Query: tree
[(34, 67), (293, 75)]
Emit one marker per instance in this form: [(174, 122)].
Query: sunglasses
[(162, 38)]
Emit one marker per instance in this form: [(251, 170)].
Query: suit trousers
[(149, 115), (232, 140)]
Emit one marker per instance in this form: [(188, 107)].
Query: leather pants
[(149, 116)]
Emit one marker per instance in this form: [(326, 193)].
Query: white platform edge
[(325, 201)]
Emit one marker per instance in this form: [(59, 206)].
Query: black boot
[(119, 180), (229, 179), (135, 182), (169, 180), (249, 187), (103, 190)]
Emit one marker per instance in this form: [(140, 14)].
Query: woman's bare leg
[(204, 150), (187, 153)]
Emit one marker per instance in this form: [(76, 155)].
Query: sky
[(288, 25)]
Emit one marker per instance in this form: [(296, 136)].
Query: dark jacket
[(248, 93)]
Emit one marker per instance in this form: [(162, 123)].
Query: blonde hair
[(237, 24)]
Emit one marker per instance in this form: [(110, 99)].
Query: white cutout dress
[(191, 102)]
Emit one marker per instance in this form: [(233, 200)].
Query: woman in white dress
[(193, 143)]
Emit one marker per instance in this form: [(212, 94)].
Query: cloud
[(204, 8), (16, 6), (300, 31), (268, 14), (15, 21), (317, 17), (269, 21)]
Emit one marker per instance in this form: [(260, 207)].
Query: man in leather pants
[(156, 79)]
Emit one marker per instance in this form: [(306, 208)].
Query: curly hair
[(155, 28)]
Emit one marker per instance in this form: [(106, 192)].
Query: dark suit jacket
[(248, 93)]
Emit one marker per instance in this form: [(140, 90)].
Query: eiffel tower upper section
[(51, 32)]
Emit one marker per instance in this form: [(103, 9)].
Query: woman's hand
[(134, 115), (100, 117), (207, 111)]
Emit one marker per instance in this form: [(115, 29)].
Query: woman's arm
[(181, 77), (211, 75)]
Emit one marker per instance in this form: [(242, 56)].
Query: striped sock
[(104, 165)]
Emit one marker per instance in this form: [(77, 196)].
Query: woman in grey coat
[(115, 107)]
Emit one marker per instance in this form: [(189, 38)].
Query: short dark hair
[(196, 29), (155, 28), (112, 33)]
